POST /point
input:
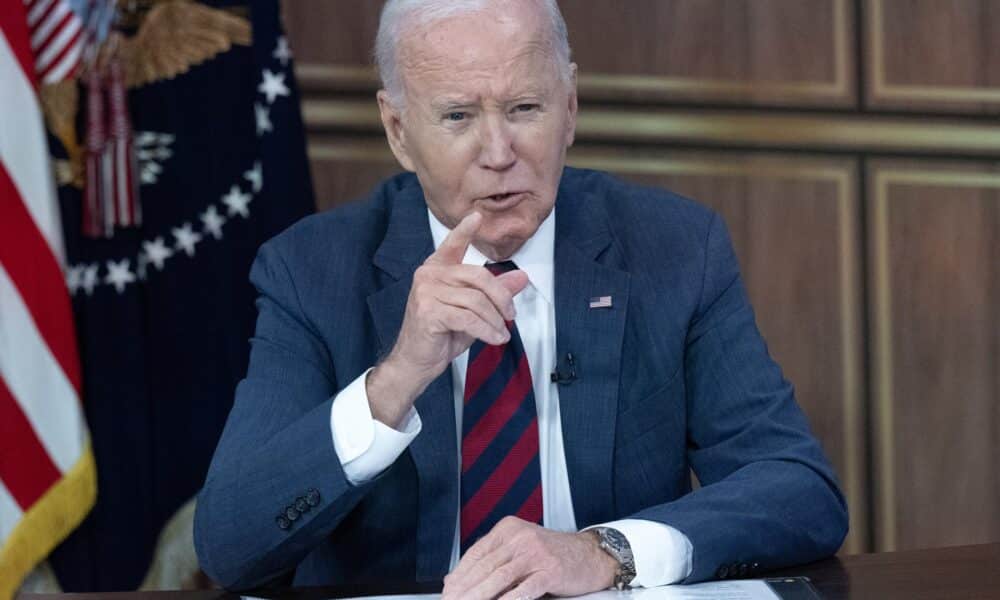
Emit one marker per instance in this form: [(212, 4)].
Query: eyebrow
[(534, 92), (448, 104)]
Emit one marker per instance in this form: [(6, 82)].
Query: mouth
[(501, 201)]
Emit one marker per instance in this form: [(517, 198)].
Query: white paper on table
[(753, 589), (403, 597)]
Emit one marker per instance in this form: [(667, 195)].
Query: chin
[(502, 246), (503, 231)]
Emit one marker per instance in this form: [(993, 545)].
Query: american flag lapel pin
[(600, 302)]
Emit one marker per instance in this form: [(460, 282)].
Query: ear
[(393, 125), (572, 106)]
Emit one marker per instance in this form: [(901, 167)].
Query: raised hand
[(450, 306)]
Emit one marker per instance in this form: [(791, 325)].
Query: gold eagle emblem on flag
[(172, 36)]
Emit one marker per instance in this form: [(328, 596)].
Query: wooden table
[(959, 573)]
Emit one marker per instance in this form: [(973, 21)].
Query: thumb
[(453, 248), (514, 281)]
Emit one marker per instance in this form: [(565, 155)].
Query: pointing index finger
[(452, 249)]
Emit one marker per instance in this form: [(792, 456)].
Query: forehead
[(491, 51)]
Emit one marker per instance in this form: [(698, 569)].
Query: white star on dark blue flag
[(255, 176), (273, 85), (213, 221), (282, 52), (263, 119), (119, 274), (156, 252), (236, 202), (186, 238)]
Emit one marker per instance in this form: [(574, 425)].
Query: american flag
[(600, 302), (57, 39), (47, 473)]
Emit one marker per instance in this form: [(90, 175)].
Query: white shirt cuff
[(365, 446), (662, 554)]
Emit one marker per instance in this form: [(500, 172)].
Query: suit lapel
[(588, 405), (406, 245)]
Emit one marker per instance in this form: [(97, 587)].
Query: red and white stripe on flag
[(57, 39), (47, 472)]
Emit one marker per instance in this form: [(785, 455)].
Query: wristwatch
[(614, 543)]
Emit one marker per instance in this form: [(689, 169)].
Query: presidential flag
[(47, 478), (164, 310)]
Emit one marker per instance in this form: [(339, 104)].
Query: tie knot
[(501, 267)]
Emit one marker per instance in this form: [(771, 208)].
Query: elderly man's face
[(486, 122)]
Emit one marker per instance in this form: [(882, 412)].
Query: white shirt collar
[(535, 257)]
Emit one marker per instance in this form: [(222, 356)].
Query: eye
[(455, 116), (525, 108)]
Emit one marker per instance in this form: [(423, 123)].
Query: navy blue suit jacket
[(674, 376)]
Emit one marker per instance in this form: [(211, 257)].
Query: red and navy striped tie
[(501, 475)]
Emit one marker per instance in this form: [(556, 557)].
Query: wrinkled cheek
[(545, 150), (448, 171)]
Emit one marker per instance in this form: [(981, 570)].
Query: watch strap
[(614, 543)]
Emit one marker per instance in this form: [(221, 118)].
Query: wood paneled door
[(935, 308)]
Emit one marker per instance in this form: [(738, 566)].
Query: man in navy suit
[(500, 371)]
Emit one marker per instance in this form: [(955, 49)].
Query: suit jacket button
[(755, 567), (301, 505), (291, 513), (312, 497), (744, 569), (283, 522), (723, 572)]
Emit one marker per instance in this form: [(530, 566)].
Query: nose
[(496, 144)]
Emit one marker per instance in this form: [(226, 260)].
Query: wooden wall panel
[(935, 312), (332, 32), (787, 52), (780, 52), (795, 224), (934, 54), (347, 169)]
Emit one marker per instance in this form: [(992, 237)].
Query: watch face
[(615, 542)]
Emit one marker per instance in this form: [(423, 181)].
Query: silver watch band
[(616, 545)]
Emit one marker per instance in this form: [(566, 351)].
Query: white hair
[(397, 15)]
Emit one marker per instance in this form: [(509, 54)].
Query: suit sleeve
[(275, 488), (768, 496)]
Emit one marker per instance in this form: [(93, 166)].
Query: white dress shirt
[(366, 446)]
